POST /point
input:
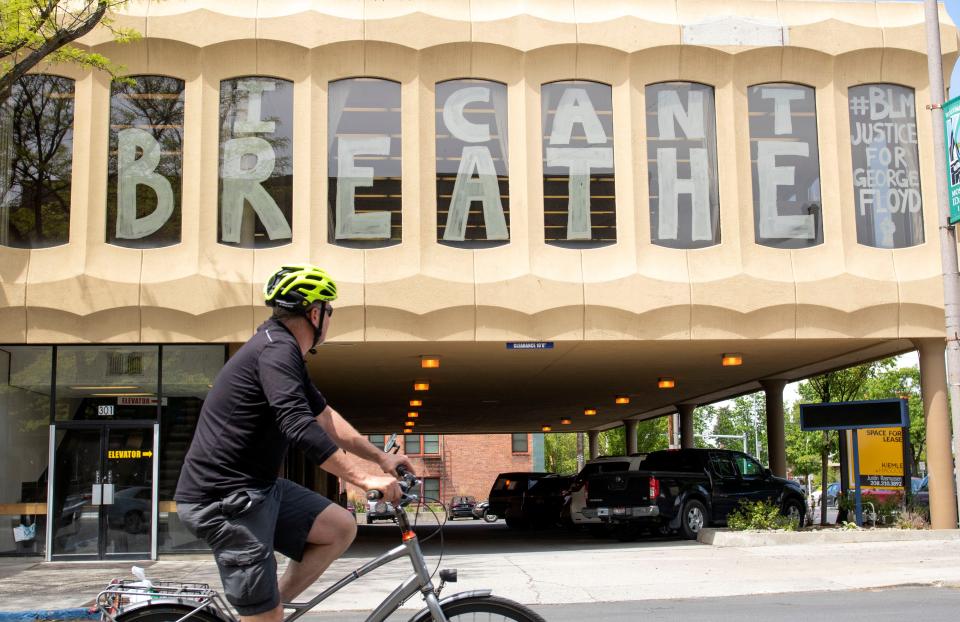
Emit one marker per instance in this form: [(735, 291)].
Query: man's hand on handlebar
[(390, 462), (387, 485)]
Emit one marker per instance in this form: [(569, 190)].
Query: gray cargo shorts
[(245, 528)]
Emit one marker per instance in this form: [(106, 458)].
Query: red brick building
[(461, 464)]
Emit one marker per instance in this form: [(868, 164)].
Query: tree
[(33, 31), (903, 382), (560, 452)]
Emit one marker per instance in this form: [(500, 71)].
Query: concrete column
[(776, 441), (630, 427), (933, 386), (594, 437), (686, 425)]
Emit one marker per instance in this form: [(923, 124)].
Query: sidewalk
[(547, 571)]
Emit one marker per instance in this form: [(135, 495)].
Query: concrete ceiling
[(484, 387)]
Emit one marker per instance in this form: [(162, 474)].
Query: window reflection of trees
[(276, 107), (154, 104), (36, 148)]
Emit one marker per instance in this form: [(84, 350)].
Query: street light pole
[(948, 239)]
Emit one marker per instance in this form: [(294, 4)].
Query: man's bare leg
[(332, 533)]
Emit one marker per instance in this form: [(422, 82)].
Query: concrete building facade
[(565, 203)]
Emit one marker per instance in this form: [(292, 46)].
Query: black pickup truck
[(686, 489)]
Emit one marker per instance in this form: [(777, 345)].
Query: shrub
[(912, 519), (759, 516)]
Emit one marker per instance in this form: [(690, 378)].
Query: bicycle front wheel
[(483, 609)]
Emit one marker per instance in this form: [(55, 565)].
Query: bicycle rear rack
[(124, 595)]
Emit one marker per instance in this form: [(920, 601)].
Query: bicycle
[(166, 601)]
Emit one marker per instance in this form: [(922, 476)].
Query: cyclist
[(262, 401)]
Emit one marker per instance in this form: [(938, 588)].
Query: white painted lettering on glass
[(671, 112), (132, 172), (245, 184), (782, 119), (579, 161), (770, 177), (575, 107), (350, 224), (670, 187), (457, 124), (476, 181)]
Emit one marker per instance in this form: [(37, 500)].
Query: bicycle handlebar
[(407, 481)]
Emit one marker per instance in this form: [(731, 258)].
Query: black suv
[(529, 499)]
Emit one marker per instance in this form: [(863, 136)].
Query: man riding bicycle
[(262, 401)]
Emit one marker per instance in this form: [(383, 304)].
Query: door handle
[(108, 494)]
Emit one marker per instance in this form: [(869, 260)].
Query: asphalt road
[(889, 605)]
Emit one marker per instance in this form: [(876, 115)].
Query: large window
[(886, 166), (25, 375), (188, 372), (377, 440), (785, 162), (473, 199), (146, 162), (256, 162), (578, 180), (682, 165), (106, 383), (364, 164), (519, 443), (36, 157)]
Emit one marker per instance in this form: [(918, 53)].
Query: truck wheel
[(795, 511), (693, 518)]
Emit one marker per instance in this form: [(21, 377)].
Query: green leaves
[(42, 31), (759, 516)]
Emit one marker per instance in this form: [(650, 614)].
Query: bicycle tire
[(497, 609), (167, 613)]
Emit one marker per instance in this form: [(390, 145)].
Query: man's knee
[(333, 525)]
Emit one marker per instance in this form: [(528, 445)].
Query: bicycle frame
[(419, 581)]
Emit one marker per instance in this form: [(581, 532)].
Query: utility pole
[(948, 238)]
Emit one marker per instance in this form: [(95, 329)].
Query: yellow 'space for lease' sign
[(881, 457)]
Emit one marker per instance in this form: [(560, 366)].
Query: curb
[(726, 538), (49, 614)]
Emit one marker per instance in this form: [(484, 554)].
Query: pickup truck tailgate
[(617, 489)]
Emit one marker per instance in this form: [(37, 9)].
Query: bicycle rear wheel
[(167, 613), (483, 609)]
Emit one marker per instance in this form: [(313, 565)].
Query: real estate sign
[(880, 457)]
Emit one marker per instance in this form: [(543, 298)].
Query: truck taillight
[(654, 488)]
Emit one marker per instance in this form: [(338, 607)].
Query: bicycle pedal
[(448, 575)]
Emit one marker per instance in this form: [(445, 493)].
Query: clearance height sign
[(880, 457)]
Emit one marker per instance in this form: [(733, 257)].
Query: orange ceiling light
[(413, 414), (409, 424), (421, 385), (565, 422), (416, 403), (589, 412), (732, 360), (622, 400), (429, 361), (408, 430), (545, 428), (666, 383)]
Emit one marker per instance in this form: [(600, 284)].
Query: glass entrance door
[(103, 492)]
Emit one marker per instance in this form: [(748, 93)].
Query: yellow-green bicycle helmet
[(298, 287)]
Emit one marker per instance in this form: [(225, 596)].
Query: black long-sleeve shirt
[(261, 402)]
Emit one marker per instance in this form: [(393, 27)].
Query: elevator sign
[(951, 126)]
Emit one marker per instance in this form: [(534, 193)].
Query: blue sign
[(529, 345)]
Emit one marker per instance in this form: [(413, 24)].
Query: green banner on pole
[(951, 126)]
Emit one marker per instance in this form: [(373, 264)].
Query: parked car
[(529, 499), (578, 488), (461, 507), (833, 490), (686, 490), (480, 510), (379, 510)]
